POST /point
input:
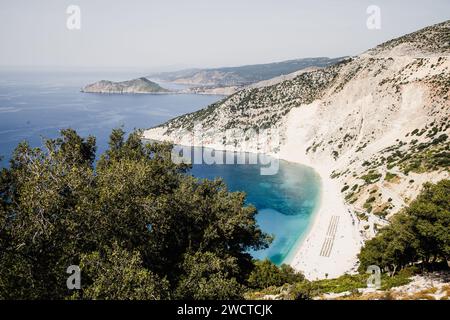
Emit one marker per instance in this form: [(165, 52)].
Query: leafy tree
[(44, 215), (304, 290), (3, 216), (393, 248), (119, 274), (59, 208), (267, 274), (207, 276), (431, 215), (419, 233)]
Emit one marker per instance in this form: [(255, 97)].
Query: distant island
[(140, 85), (220, 81)]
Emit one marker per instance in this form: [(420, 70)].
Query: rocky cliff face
[(378, 123), (140, 85)]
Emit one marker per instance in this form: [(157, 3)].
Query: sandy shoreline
[(333, 241), (343, 244), (347, 240)]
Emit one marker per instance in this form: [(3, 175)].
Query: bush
[(138, 225), (304, 290), (371, 177), (418, 233), (267, 274), (343, 283), (389, 176), (402, 278)]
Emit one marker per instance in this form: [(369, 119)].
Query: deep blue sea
[(37, 104)]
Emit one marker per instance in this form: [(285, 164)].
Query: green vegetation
[(433, 38), (362, 216), (431, 154), (419, 233), (341, 284), (427, 156), (140, 85), (140, 227), (266, 274), (269, 104), (137, 225), (371, 177), (401, 278), (353, 282), (421, 157), (389, 176), (382, 212), (306, 290)]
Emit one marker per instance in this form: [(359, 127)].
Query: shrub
[(267, 274), (371, 177), (389, 176)]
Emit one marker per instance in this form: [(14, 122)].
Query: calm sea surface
[(36, 105)]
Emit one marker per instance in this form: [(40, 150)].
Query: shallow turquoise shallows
[(286, 201)]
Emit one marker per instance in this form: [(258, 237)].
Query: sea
[(37, 104)]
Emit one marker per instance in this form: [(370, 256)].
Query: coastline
[(345, 243), (347, 240), (125, 93), (314, 214), (334, 226), (180, 92)]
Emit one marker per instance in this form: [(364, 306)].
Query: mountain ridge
[(377, 125), (242, 75)]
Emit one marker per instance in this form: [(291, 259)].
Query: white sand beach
[(330, 249), (340, 245), (333, 241), (359, 119)]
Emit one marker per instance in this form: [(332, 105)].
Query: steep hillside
[(242, 75), (376, 124)]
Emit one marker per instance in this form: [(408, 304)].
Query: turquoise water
[(286, 201), (34, 105)]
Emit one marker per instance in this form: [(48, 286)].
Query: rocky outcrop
[(140, 85)]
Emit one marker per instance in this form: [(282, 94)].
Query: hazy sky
[(182, 33)]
